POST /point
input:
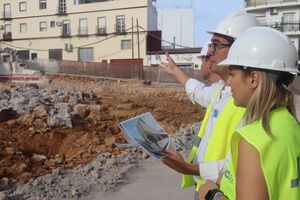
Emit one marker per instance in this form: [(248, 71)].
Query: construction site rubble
[(57, 108), (106, 173), (57, 141)]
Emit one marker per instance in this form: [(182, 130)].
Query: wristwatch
[(211, 193)]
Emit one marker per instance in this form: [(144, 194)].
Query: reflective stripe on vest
[(188, 180), (279, 155)]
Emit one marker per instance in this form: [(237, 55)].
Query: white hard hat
[(204, 49), (235, 23), (264, 48)]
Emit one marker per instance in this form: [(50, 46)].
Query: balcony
[(6, 36), (101, 31), (61, 11), (83, 31), (6, 15), (254, 3), (292, 26), (66, 33), (250, 3), (120, 29), (91, 1)]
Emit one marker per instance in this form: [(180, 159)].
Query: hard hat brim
[(215, 32), (229, 62)]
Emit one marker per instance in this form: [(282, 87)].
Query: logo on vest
[(228, 176), (215, 113)]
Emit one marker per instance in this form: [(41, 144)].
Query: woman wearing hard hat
[(210, 155), (265, 152)]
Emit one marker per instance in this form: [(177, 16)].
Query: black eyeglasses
[(215, 46)]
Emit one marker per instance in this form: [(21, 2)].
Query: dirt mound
[(28, 150)]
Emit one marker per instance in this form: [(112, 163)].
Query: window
[(101, 25), (33, 56), (52, 24), (262, 20), (66, 28), (62, 7), (125, 44), (43, 4), (6, 58), (83, 27), (22, 6), (289, 24), (7, 32), (7, 11), (23, 54), (23, 28), (56, 54), (7, 28), (43, 26), (120, 24), (85, 54)]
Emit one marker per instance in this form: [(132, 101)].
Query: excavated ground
[(96, 132)]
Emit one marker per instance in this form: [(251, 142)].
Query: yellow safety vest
[(279, 156), (219, 143)]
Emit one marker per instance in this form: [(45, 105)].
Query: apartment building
[(283, 15), (84, 30)]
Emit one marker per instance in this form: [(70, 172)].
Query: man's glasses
[(215, 46)]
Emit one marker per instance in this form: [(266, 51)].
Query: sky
[(207, 14)]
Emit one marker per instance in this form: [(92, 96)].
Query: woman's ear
[(254, 78)]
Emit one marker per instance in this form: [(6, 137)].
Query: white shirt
[(203, 94)]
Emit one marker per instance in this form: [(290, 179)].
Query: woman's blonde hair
[(269, 94)]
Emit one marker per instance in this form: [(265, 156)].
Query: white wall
[(152, 17), (178, 23)]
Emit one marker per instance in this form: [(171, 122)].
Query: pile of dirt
[(31, 146)]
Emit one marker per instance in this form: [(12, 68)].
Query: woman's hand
[(208, 185)]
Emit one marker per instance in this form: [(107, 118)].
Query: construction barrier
[(139, 72)]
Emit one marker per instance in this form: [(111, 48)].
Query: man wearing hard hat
[(205, 71)]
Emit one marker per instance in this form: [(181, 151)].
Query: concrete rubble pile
[(42, 108), (107, 172)]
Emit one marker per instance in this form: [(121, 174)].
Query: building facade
[(84, 30), (283, 15), (177, 26)]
